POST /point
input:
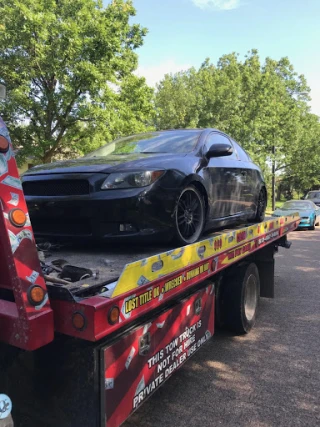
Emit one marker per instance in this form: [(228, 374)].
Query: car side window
[(218, 138), (243, 156)]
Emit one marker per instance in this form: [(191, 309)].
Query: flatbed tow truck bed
[(148, 282), (89, 353), (110, 260)]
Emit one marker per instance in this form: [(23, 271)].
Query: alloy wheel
[(190, 215), (262, 203)]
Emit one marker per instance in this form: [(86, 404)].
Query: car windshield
[(298, 205), (313, 195), (174, 142)]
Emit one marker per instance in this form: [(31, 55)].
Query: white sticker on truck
[(3, 165), (5, 406), (14, 199), (12, 182)]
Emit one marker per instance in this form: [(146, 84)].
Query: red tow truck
[(91, 352)]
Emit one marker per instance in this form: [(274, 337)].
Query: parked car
[(167, 184), (314, 196), (308, 211)]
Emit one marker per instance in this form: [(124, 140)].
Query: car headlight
[(131, 179)]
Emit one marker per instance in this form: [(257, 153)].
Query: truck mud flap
[(140, 362)]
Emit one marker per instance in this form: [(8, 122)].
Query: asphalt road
[(270, 377)]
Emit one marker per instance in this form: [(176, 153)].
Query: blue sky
[(182, 33)]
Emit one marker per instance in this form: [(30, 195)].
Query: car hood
[(284, 212), (107, 164)]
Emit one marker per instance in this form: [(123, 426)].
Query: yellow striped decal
[(149, 269)]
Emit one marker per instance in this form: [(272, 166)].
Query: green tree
[(68, 67), (303, 171), (262, 105)]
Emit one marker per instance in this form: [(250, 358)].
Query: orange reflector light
[(36, 295), (79, 321), (156, 174), (113, 316), (4, 144), (17, 217)]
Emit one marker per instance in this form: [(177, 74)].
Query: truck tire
[(241, 297)]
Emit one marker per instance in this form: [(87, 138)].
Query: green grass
[(269, 206)]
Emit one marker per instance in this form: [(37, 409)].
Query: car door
[(317, 213), (224, 175), (250, 181)]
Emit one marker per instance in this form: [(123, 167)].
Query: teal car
[(307, 210)]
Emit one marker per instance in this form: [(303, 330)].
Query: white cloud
[(154, 73), (217, 4)]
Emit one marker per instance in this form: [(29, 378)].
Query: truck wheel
[(241, 297)]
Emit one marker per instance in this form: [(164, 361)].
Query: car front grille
[(56, 187), (65, 227)]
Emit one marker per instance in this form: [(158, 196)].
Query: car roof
[(183, 129)]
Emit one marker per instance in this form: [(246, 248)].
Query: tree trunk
[(47, 158), (279, 192)]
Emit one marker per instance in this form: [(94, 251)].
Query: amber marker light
[(113, 316), (4, 144), (79, 321), (17, 217), (36, 295)]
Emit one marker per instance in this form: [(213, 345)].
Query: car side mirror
[(219, 150)]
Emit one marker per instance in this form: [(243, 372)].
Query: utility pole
[(273, 178)]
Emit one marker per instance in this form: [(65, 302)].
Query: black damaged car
[(166, 184)]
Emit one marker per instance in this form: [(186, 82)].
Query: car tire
[(189, 216), (313, 227), (241, 296), (261, 206)]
